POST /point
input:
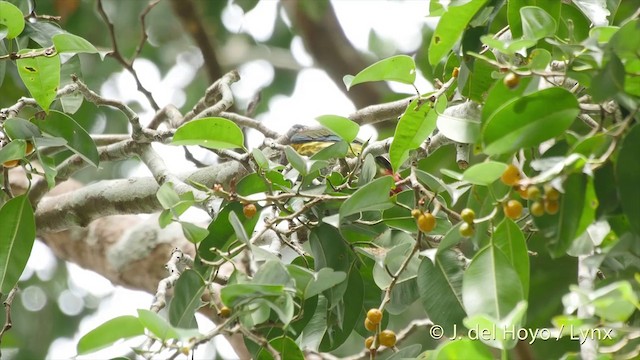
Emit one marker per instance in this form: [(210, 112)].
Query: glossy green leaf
[(78, 140), (536, 23), (193, 233), (186, 300), (260, 158), (628, 177), (369, 170), (415, 125), (71, 102), (338, 150), (400, 68), (440, 286), (615, 302), (18, 128), (285, 346), (495, 333), (529, 120), (609, 81), (41, 76), (234, 294), (222, 234), (463, 348), (167, 197), (484, 173), (157, 325), (346, 129), (14, 150), (490, 285), (296, 160), (238, 227), (373, 196), (343, 316), (122, 327), (514, 15), (329, 250), (255, 183), (509, 47), (12, 18), (69, 43), (450, 28), (509, 238), (211, 132), (462, 130), (17, 234)]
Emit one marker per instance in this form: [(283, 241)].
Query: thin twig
[(8, 323)]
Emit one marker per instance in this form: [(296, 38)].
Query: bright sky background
[(315, 94)]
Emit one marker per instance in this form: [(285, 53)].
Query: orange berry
[(426, 222), (550, 193), (387, 338), (536, 209), (511, 80), (468, 215), (455, 72), (224, 312), (416, 213), (249, 210), (30, 148), (512, 209), (11, 163), (551, 206), (511, 175), (533, 192), (368, 342), (375, 316), (466, 229), (522, 191), (369, 325)]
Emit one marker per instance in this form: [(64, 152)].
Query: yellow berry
[(368, 342), (416, 213), (426, 222), (11, 163), (224, 312), (369, 325), (30, 148), (536, 209), (185, 350), (468, 215), (375, 316), (466, 229), (533, 192), (550, 193), (249, 210), (511, 80), (455, 72), (522, 191), (551, 206), (512, 209), (387, 338), (511, 175)]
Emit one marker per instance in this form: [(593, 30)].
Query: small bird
[(308, 141)]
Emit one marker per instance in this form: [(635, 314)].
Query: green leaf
[(14, 150), (415, 125), (212, 133), (157, 325), (186, 300), (484, 173), (17, 234), (440, 286), (238, 227), (373, 196), (261, 160), (514, 15), (71, 102), (18, 128), (167, 197), (400, 68), (78, 140), (463, 348), (221, 233), (346, 129), (529, 120), (537, 23), (122, 327), (69, 43), (255, 183), (450, 28), (193, 233), (499, 334), (330, 251), (615, 302), (628, 176), (285, 346), (490, 285), (509, 238), (462, 130), (609, 81), (12, 18), (296, 160), (41, 76), (234, 294)]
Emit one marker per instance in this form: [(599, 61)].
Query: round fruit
[(387, 338), (511, 80), (416, 213), (426, 222), (522, 191), (249, 210), (551, 206), (368, 342), (536, 209), (369, 325), (466, 229), (224, 312), (11, 163), (550, 193), (533, 192), (185, 350), (455, 72), (468, 215), (512, 209), (375, 316), (511, 175), (29, 150)]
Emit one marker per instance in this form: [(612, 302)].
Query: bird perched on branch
[(309, 141)]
